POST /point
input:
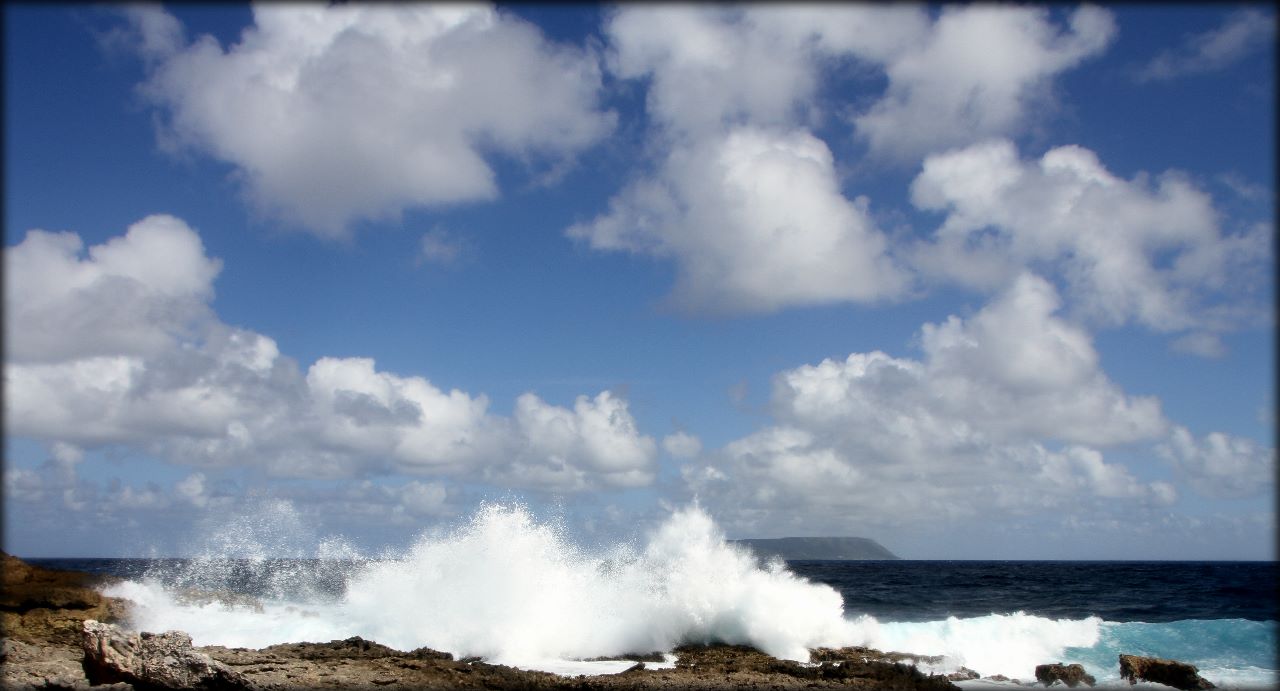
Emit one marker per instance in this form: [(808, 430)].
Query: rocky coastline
[(60, 632)]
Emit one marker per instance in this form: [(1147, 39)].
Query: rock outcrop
[(1179, 675), (152, 661), (1072, 675), (46, 606)]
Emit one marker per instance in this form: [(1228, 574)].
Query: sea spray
[(508, 588), (1008, 644)]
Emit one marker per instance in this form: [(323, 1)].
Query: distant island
[(850, 548)]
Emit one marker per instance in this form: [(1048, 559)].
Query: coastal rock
[(33, 666), (1072, 675), (1179, 675), (43, 606), (152, 661), (963, 674)]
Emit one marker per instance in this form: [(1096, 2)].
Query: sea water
[(513, 590)]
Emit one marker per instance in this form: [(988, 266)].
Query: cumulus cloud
[(172, 380), (1012, 372), (980, 71), (1006, 411), (756, 222), (1241, 33), (1129, 250), (1222, 465), (336, 114), (561, 447), (745, 198), (134, 295)]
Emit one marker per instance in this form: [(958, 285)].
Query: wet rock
[(1179, 675), (963, 674), (152, 660), (862, 654), (1072, 675)]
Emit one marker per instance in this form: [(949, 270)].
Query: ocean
[(515, 591)]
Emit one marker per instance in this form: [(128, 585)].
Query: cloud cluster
[(746, 199), (1128, 250), (1006, 413), (173, 380), (337, 114), (1220, 465)]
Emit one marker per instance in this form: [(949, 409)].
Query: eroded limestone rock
[(152, 660)]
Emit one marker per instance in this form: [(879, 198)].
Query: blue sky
[(975, 282)]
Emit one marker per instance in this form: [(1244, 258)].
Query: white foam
[(1008, 644), (514, 591)]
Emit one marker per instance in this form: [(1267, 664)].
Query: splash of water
[(513, 590)]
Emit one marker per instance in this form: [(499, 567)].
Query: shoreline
[(60, 630)]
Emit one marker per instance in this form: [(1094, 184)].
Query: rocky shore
[(60, 632)]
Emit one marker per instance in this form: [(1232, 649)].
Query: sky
[(976, 282)]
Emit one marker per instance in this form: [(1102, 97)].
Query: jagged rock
[(152, 661), (963, 674), (1071, 675), (1179, 675)]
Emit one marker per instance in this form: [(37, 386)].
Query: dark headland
[(796, 548)]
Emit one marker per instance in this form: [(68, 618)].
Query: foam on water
[(515, 591), (1008, 644)]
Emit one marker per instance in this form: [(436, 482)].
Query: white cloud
[(1128, 250), (746, 200), (1241, 33), (1221, 465), (335, 114), (564, 449), (381, 415), (1012, 372), (682, 445), (1005, 413), (719, 67), (133, 295), (981, 71), (216, 396), (756, 222)]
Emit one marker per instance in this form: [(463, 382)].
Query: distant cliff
[(817, 548)]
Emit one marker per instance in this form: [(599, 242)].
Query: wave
[(507, 588)]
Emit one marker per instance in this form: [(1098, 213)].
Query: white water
[(508, 589), (514, 591)]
